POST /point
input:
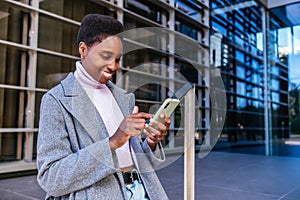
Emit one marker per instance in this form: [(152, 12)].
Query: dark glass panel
[(186, 71), (146, 9), (12, 108), (75, 9), (13, 66), (15, 23), (52, 69), (189, 8), (57, 36), (186, 29), (148, 60)]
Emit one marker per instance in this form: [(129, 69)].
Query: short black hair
[(95, 28)]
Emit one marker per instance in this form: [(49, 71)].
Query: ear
[(82, 49)]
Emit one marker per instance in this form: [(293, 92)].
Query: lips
[(108, 74)]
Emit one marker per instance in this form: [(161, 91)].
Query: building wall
[(238, 30), (257, 49), (38, 49), (38, 42)]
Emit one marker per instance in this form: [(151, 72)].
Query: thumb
[(135, 110)]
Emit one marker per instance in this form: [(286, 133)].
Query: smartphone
[(167, 108)]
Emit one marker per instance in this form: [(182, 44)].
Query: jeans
[(136, 191)]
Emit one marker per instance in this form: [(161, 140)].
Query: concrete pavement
[(219, 176)]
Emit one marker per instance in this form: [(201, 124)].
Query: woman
[(88, 146)]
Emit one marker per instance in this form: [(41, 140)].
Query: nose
[(114, 65)]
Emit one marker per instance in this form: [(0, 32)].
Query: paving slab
[(218, 176)]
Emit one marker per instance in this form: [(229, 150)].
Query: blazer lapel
[(77, 102), (124, 100)]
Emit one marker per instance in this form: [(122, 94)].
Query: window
[(146, 9), (192, 10), (187, 71), (186, 29)]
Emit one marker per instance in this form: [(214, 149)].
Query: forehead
[(110, 44)]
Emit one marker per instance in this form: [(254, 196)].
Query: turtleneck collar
[(85, 78)]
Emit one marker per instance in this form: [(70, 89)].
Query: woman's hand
[(131, 126), (158, 133)]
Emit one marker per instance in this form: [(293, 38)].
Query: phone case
[(167, 108)]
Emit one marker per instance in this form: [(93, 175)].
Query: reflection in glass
[(13, 22), (151, 92), (57, 36), (152, 62), (192, 10), (186, 29), (70, 9), (13, 66), (9, 107), (12, 150), (284, 71), (52, 69), (146, 9), (236, 45), (186, 71)]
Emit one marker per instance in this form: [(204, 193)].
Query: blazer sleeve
[(157, 156), (60, 170)]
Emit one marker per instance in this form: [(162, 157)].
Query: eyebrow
[(110, 52)]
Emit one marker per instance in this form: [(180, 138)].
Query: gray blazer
[(74, 159)]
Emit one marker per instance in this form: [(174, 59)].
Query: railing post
[(189, 145)]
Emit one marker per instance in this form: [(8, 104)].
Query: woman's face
[(101, 60)]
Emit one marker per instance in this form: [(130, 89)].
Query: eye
[(118, 60), (106, 57)]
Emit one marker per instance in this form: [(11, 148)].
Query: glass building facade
[(38, 41), (236, 48), (254, 44)]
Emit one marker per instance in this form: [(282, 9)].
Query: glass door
[(284, 78)]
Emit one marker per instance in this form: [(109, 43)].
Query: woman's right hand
[(131, 126)]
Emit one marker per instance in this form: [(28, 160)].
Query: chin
[(103, 81)]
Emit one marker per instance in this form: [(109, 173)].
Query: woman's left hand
[(158, 133)]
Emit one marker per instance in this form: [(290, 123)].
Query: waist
[(130, 176)]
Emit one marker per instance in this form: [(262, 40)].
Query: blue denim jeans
[(136, 191)]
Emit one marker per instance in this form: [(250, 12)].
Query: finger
[(136, 123), (156, 133), (150, 135), (148, 130), (136, 132), (135, 110), (139, 126), (158, 125), (141, 115), (167, 120)]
